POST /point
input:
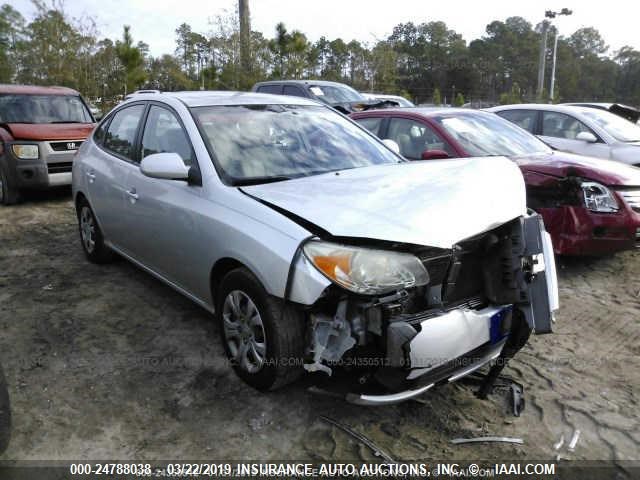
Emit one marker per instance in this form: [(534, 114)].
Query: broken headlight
[(599, 198), (364, 270)]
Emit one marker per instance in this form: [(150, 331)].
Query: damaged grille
[(631, 198)]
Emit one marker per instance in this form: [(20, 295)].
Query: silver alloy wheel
[(244, 331), (87, 229)]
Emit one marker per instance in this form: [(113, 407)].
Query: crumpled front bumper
[(425, 349), (445, 349)]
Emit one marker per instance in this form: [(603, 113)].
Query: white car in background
[(581, 130), (401, 101)]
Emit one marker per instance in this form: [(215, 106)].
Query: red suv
[(41, 128)]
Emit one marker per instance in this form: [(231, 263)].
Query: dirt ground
[(105, 362)]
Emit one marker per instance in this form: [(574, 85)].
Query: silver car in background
[(582, 130), (315, 245)]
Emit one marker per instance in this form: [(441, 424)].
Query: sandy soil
[(105, 362)]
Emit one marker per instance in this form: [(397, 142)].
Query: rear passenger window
[(276, 89), (371, 124), (122, 131), (163, 133), (523, 118), (294, 91)]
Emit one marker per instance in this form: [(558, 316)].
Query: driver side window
[(163, 133), (415, 137), (560, 125)]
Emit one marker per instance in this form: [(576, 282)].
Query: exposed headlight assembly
[(599, 198), (26, 152), (366, 271)]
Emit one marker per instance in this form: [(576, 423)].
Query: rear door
[(527, 119), (161, 220), (106, 170)]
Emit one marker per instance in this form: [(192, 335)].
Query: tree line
[(426, 62)]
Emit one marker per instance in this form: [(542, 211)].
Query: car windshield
[(487, 134), (619, 128), (262, 143), (20, 108), (336, 94)]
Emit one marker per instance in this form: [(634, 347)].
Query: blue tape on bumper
[(496, 330)]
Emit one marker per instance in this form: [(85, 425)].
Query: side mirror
[(168, 166), (392, 145), (434, 155), (586, 137)]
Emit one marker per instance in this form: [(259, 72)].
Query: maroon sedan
[(590, 206)]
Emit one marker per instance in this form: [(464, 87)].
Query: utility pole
[(245, 37), (550, 14), (567, 12), (543, 55)]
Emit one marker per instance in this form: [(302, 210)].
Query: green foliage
[(132, 61), (421, 61), (459, 100), (437, 97), (512, 96)]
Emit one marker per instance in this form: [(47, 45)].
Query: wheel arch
[(219, 270)]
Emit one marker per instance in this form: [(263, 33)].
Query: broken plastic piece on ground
[(517, 398), (358, 436), (559, 443), (458, 441), (574, 440)]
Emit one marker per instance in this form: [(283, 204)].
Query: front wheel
[(91, 236), (264, 347)]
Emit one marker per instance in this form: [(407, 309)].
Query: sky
[(154, 21)]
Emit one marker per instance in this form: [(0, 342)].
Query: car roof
[(543, 106), (423, 111), (303, 82), (224, 98), (36, 90)]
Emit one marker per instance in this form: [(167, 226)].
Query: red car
[(41, 128), (590, 206)]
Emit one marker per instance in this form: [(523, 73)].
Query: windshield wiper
[(239, 182), (66, 121)]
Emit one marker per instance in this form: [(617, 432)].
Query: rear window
[(21, 108)]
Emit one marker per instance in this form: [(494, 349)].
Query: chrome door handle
[(132, 194)]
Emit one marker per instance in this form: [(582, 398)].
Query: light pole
[(550, 14), (567, 12)]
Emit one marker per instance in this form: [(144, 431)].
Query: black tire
[(283, 334), (5, 413), (94, 248), (8, 193)]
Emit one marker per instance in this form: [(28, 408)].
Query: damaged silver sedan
[(316, 246)]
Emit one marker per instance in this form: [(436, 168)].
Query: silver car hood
[(435, 202)]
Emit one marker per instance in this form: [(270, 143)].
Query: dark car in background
[(589, 206), (41, 128), (337, 95)]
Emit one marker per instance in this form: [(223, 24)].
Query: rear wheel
[(264, 347), (5, 413), (8, 193), (91, 236)]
